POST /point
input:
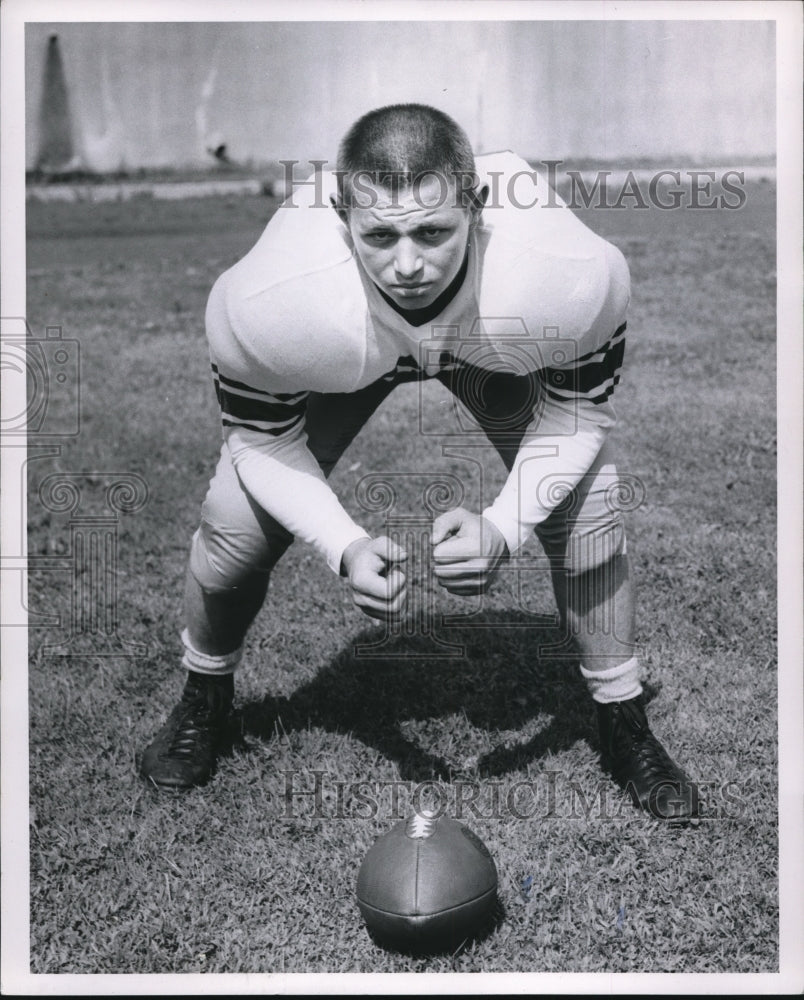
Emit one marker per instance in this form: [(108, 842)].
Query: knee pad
[(591, 546), (584, 545), (224, 559), (587, 529)]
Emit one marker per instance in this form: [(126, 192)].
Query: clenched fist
[(378, 585), (467, 552)]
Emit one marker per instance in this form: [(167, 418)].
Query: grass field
[(237, 877)]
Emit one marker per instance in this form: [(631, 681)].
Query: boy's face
[(411, 242)]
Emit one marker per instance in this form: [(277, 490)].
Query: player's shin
[(186, 749), (598, 609)]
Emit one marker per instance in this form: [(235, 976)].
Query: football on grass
[(428, 883)]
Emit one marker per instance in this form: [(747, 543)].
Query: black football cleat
[(639, 763), (186, 749)]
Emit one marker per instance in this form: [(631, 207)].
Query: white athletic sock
[(614, 683), (202, 663)]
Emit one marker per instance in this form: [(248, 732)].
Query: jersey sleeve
[(263, 416), (559, 445), (574, 413), (587, 367)]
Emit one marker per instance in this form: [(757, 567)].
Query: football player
[(412, 242)]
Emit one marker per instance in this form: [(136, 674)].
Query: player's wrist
[(351, 552), (496, 539), (504, 525)]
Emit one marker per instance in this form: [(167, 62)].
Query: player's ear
[(479, 199), (343, 212)]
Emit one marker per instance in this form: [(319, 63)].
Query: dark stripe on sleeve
[(233, 384), (592, 399), (584, 378), (246, 408), (274, 431), (603, 347)]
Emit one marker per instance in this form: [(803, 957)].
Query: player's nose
[(407, 261)]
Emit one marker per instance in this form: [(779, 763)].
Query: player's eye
[(379, 238), (432, 234)]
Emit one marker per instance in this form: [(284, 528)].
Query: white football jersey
[(298, 314)]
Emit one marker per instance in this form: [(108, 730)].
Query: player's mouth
[(410, 289)]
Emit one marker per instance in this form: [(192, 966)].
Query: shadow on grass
[(506, 676)]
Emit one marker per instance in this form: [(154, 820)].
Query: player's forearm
[(284, 478), (558, 448)]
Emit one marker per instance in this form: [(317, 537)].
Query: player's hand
[(467, 552), (378, 585)]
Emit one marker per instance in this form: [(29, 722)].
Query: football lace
[(421, 824)]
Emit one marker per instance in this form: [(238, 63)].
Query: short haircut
[(397, 146)]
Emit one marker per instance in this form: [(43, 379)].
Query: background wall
[(148, 95)]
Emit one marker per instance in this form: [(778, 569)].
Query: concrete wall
[(158, 94)]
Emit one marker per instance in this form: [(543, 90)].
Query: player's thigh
[(586, 529), (236, 539)]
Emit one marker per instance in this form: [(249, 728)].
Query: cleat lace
[(636, 741), (639, 762), (195, 725), (656, 764)]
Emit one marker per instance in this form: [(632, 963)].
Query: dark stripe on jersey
[(585, 378), (246, 408), (405, 370), (274, 431), (233, 384)]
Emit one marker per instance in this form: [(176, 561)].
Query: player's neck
[(418, 317)]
